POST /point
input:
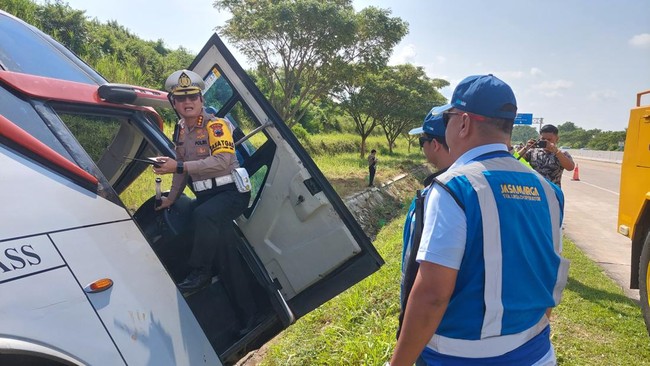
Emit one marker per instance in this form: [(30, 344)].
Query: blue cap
[(433, 124), (485, 95), (211, 110)]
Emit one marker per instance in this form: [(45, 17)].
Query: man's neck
[(191, 122)]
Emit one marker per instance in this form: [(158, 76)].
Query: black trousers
[(371, 172), (216, 245)]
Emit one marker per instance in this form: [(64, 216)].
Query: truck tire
[(644, 281)]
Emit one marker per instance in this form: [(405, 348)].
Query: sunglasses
[(424, 139), (447, 115), (183, 98)]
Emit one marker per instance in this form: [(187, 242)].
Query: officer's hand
[(166, 203), (167, 165)]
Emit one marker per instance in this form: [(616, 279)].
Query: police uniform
[(508, 274), (206, 158)]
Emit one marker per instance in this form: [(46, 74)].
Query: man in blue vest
[(490, 264)]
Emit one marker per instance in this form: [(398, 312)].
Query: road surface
[(590, 218)]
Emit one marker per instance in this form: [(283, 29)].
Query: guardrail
[(609, 156)]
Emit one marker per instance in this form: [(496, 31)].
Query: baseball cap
[(433, 124), (184, 82), (485, 95)]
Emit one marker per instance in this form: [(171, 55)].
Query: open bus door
[(298, 228)]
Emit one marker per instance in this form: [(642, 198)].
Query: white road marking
[(595, 186)]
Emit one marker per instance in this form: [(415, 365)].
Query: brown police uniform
[(208, 151), (193, 148)]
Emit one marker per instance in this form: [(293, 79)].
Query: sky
[(582, 61)]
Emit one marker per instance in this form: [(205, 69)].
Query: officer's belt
[(203, 185)]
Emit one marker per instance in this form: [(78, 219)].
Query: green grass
[(595, 323), (348, 171)]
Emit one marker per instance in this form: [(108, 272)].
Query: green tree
[(577, 138), (523, 133), (403, 95), (67, 25), (23, 9), (302, 47), (607, 141), (567, 127)]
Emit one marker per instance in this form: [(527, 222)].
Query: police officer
[(205, 158)]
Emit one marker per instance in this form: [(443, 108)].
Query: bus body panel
[(143, 311)]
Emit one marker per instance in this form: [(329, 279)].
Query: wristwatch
[(179, 167)]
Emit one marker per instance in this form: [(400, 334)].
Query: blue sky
[(574, 60)]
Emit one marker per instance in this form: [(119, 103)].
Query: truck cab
[(634, 200), (88, 267)]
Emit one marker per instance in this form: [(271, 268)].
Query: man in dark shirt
[(546, 157)]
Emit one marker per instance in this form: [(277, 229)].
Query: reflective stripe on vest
[(502, 184)]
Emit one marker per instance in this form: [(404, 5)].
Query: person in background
[(435, 149), (205, 157), (372, 167), (490, 263), (513, 150), (546, 157)]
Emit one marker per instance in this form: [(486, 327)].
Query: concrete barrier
[(609, 156)]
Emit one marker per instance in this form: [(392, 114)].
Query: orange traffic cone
[(576, 173)]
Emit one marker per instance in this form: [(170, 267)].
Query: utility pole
[(539, 120)]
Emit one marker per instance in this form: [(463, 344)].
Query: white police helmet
[(184, 82)]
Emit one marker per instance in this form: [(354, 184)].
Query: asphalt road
[(590, 218)]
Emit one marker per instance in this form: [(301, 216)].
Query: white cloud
[(553, 88), (507, 75), (403, 56), (534, 71), (604, 95), (441, 59), (513, 74), (640, 40)]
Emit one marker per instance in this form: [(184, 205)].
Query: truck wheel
[(644, 281)]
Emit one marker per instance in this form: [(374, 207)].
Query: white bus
[(84, 280)]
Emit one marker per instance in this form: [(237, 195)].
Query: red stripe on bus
[(16, 134), (70, 91)]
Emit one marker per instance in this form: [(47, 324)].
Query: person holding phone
[(205, 159), (546, 157)]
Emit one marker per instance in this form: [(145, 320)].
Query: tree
[(607, 141), (67, 25), (23, 9), (523, 133), (403, 95), (567, 127), (302, 47)]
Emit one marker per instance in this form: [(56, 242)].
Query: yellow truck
[(634, 202)]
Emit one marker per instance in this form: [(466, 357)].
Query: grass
[(595, 324), (348, 171)]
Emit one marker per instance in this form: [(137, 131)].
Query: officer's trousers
[(216, 242)]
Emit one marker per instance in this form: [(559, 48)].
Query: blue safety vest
[(511, 271)]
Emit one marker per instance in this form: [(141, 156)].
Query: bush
[(302, 135)]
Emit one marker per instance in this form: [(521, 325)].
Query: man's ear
[(465, 125)]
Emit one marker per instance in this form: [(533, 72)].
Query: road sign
[(524, 119)]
